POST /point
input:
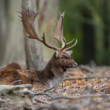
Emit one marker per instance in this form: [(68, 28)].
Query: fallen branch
[(77, 97), (6, 88), (32, 94), (91, 77), (44, 92)]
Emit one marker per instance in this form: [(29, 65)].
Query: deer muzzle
[(73, 65)]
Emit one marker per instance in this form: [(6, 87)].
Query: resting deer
[(54, 72)]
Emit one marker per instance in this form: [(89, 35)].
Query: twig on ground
[(90, 77), (33, 94), (48, 89), (44, 92), (82, 96), (41, 101), (15, 82), (37, 93)]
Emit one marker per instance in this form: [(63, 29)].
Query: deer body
[(54, 72), (52, 75)]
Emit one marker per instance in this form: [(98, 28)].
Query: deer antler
[(28, 18), (58, 34)]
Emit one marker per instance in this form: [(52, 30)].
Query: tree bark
[(3, 28), (34, 55), (14, 49), (47, 22)]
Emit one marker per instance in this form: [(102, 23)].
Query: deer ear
[(69, 52), (56, 53)]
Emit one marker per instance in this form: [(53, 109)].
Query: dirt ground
[(84, 88)]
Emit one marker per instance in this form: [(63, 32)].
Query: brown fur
[(13, 66), (54, 69)]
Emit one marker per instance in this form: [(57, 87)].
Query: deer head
[(61, 55)]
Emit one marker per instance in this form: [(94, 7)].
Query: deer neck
[(53, 74)]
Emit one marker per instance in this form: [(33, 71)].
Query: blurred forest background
[(86, 20)]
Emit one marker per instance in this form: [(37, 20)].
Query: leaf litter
[(81, 93)]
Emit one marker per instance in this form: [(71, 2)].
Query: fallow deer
[(54, 72)]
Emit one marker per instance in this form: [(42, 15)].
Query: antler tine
[(70, 41), (28, 18), (67, 43), (71, 46)]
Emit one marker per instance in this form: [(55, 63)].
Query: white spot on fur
[(69, 52), (57, 53), (56, 81)]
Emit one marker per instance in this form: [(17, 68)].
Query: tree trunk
[(14, 50), (47, 22), (3, 28), (34, 55)]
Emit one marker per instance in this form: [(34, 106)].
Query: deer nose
[(75, 64)]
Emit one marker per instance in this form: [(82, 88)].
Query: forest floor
[(84, 88)]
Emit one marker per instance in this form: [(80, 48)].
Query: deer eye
[(62, 58)]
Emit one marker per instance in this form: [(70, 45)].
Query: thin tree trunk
[(14, 50), (3, 28), (34, 55)]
